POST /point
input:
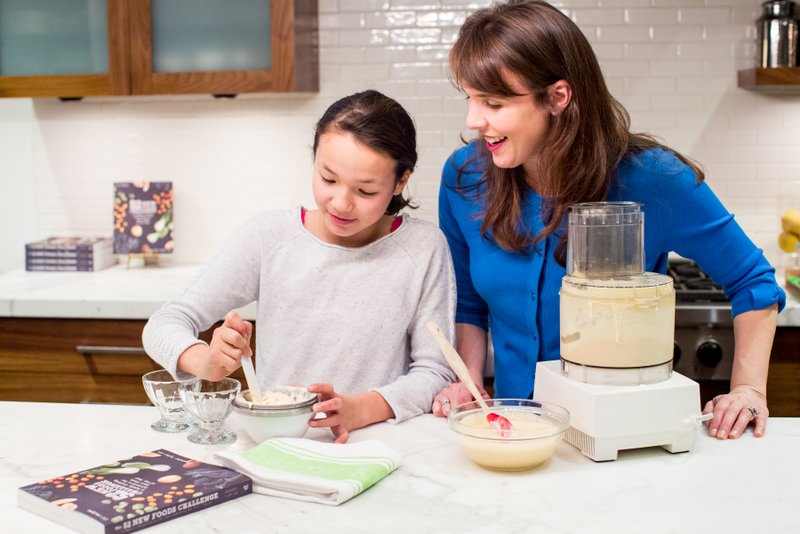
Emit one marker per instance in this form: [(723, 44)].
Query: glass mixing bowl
[(538, 429)]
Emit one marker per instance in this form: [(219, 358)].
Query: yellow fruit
[(788, 242), (790, 222)]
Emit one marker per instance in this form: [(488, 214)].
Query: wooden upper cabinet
[(149, 47), (69, 48)]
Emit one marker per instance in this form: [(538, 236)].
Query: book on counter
[(70, 254), (143, 218), (134, 493)]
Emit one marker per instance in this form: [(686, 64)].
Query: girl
[(343, 291), (550, 135)]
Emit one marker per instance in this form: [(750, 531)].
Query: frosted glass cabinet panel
[(46, 37), (223, 46), (211, 35)]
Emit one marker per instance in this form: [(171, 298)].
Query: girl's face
[(512, 127), (353, 185)]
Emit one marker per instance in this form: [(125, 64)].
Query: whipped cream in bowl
[(282, 411)]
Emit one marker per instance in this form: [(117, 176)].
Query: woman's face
[(353, 185), (512, 127)]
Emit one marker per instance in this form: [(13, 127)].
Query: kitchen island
[(747, 485)]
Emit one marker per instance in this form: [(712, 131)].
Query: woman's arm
[(747, 401)]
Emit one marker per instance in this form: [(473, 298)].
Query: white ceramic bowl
[(538, 429), (263, 422)]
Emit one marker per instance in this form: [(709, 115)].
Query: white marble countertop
[(746, 485), (120, 293)]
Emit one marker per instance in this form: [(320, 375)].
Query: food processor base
[(607, 419)]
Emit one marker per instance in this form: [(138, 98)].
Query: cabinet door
[(68, 48), (223, 47), (76, 360)]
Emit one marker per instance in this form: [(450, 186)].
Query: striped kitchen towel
[(308, 470)]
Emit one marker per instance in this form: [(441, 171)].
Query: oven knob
[(709, 353), (676, 354)]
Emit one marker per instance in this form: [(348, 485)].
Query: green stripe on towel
[(365, 473)]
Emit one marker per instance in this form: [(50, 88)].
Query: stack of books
[(70, 254)]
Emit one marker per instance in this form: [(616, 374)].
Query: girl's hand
[(734, 411), (223, 355), (344, 413), (453, 395), (338, 410)]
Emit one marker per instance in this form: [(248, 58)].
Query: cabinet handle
[(105, 349)]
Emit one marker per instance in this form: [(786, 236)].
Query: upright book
[(134, 493), (143, 218)]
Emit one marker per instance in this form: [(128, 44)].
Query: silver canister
[(778, 34)]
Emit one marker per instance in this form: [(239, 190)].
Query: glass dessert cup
[(163, 391), (210, 403), (537, 430)]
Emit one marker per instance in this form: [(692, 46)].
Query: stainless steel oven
[(703, 324)]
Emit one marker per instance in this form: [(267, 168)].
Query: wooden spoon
[(250, 377), (495, 420)]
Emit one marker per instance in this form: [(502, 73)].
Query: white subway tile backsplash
[(672, 63), (605, 15), (677, 34), (416, 36), (623, 34), (705, 50), (651, 16), (651, 51), (705, 15), (755, 155), (391, 19), (391, 54), (629, 67), (415, 71), (675, 67)]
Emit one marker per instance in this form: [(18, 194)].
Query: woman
[(550, 135)]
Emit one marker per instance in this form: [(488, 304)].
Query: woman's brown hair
[(380, 123), (584, 144)]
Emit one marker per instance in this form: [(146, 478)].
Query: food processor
[(617, 335)]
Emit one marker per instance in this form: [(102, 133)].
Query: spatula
[(495, 420)]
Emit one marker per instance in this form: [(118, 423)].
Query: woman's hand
[(344, 413), (452, 395), (734, 411), (224, 354)]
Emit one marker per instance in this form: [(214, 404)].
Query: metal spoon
[(495, 420)]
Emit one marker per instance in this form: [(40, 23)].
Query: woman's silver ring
[(753, 412), (444, 401)]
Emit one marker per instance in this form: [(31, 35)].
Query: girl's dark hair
[(379, 122), (584, 144)]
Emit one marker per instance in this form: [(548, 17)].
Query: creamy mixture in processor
[(618, 323), (615, 317)]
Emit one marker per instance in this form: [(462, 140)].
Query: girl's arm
[(229, 281), (753, 332)]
